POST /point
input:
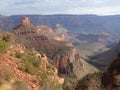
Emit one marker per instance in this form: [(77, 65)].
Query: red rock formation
[(44, 29), (65, 63), (60, 38), (69, 44), (25, 27), (44, 61), (38, 55), (25, 21)]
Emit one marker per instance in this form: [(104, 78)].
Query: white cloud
[(101, 7)]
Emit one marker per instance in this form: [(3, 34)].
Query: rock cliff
[(112, 75)]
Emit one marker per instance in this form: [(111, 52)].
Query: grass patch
[(18, 54), (50, 85), (20, 85), (3, 47), (6, 75), (1, 81), (7, 38), (29, 62)]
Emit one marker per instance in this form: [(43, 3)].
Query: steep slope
[(112, 75), (107, 80), (105, 58), (23, 69)]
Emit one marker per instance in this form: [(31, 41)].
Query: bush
[(49, 85), (3, 47), (18, 54), (83, 84), (6, 75), (28, 67), (1, 81), (20, 85), (6, 38), (30, 63), (42, 75)]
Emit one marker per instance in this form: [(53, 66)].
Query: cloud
[(101, 7), (99, 11)]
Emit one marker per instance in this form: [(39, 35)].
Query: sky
[(48, 7)]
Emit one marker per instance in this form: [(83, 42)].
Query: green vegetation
[(95, 79), (1, 81), (88, 77), (7, 38), (29, 62), (20, 85), (70, 82), (28, 67), (6, 75), (18, 54), (3, 47), (4, 44), (50, 85), (42, 75), (33, 65)]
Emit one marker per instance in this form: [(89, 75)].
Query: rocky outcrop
[(25, 27), (61, 38), (25, 21), (44, 29), (69, 44), (112, 75), (44, 61), (65, 62)]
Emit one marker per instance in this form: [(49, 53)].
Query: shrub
[(28, 67), (30, 63), (18, 55), (20, 85), (6, 75), (3, 47), (41, 75), (6, 38), (51, 73), (50, 85), (50, 66), (85, 81), (1, 81)]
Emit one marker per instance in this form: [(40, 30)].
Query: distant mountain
[(74, 23)]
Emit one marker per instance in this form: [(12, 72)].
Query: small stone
[(33, 86)]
